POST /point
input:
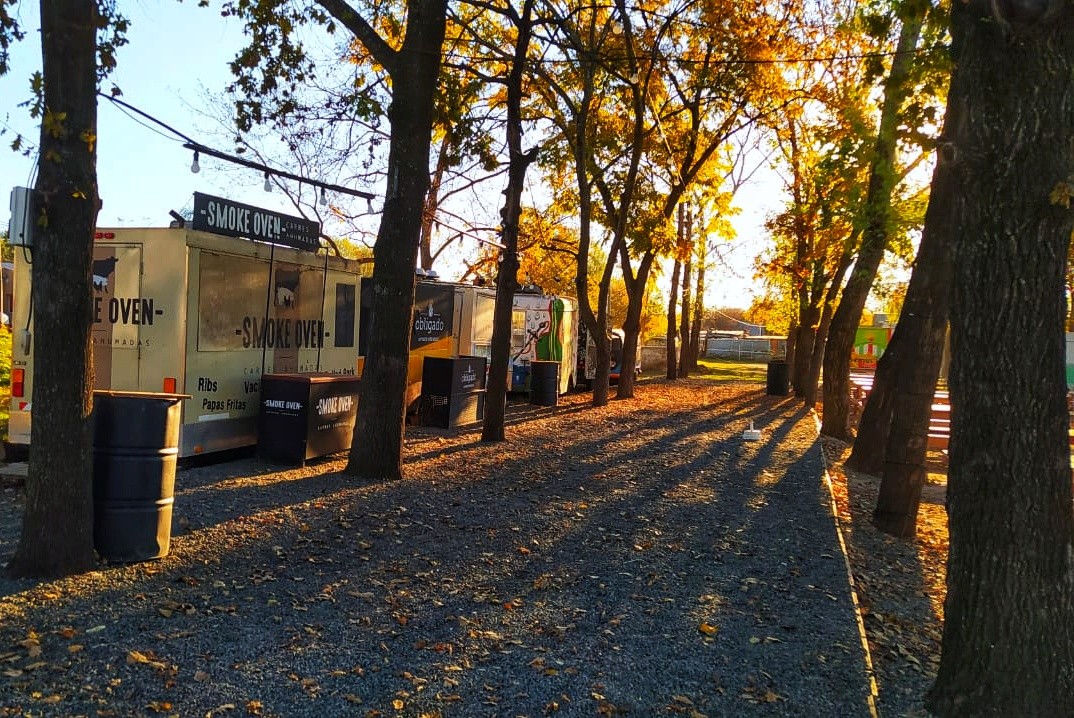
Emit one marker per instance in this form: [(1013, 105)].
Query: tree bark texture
[(377, 449), (699, 312), (874, 241), (632, 330), (820, 341), (518, 162), (1008, 643), (867, 456), (902, 434), (432, 200), (672, 334), (57, 527), (898, 411), (684, 319)]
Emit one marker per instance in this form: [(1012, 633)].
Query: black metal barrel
[(135, 451), (544, 383), (778, 379)]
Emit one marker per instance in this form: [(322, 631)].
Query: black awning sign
[(234, 219)]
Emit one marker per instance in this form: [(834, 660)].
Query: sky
[(175, 62)]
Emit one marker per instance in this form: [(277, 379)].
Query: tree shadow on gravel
[(635, 559)]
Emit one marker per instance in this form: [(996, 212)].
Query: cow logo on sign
[(286, 288), (102, 270)]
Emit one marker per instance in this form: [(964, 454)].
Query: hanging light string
[(200, 149)]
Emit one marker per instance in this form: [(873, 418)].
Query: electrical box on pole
[(20, 231)]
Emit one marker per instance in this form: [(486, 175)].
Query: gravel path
[(638, 559)]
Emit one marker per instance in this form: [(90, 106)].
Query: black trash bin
[(452, 391), (135, 450), (544, 383), (778, 380)]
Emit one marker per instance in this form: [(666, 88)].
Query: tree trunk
[(867, 456), (632, 328), (906, 374), (805, 341), (792, 333), (377, 449), (57, 526), (699, 312), (1008, 643), (496, 394), (874, 239), (684, 319), (816, 361), (673, 301), (432, 201)]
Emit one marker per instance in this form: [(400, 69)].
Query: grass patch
[(723, 370)]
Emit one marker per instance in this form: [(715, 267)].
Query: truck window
[(345, 315)]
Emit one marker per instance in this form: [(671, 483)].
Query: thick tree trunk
[(874, 241), (673, 302), (893, 431), (519, 162), (867, 456), (805, 341), (57, 526), (1008, 643), (377, 449), (632, 328), (792, 341)]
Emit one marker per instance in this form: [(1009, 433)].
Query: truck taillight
[(169, 385), (18, 384)]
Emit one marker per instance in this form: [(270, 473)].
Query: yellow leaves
[(762, 696), (708, 629), (89, 137), (682, 704), (31, 644), (545, 670), (52, 123), (169, 608), (254, 707), (146, 659), (1061, 194)]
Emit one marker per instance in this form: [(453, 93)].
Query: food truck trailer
[(543, 328), (198, 312)]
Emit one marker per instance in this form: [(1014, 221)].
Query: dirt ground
[(900, 582), (246, 509)]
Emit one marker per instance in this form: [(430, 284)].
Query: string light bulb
[(195, 167), (369, 205), (268, 184), (324, 197)]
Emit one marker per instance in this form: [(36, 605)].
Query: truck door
[(119, 311)]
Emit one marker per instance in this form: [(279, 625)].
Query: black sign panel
[(434, 313), (233, 219)]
